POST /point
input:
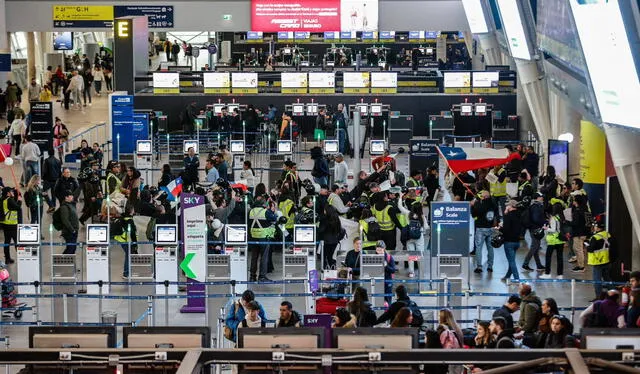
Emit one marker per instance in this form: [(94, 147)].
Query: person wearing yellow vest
[(599, 254), (387, 217), (498, 189), (525, 188), (365, 219), (113, 182), (261, 220), (555, 242), (127, 233), (288, 209), (10, 207)]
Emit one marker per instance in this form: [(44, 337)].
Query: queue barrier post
[(151, 318), (7, 344), (573, 300), (166, 303), (36, 312)]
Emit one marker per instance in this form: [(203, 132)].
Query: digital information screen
[(457, 79), (63, 41), (284, 147), (144, 147), (237, 146), (235, 234), (514, 30), (376, 109), (167, 234), (322, 82), (330, 147), (98, 234), (359, 15), (481, 108), (186, 144), (304, 234), (616, 86), (298, 109), (28, 234), (166, 80), (377, 147), (559, 157), (295, 15), (312, 109), (364, 109), (466, 109), (475, 16)]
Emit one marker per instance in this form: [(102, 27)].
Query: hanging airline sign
[(285, 36), (294, 82), (416, 37), (159, 16), (87, 16), (369, 36), (384, 82), (322, 83), (217, 82), (431, 36), (348, 36), (355, 82), (244, 83), (331, 36)]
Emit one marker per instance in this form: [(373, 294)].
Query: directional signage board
[(159, 16), (194, 234), (451, 224), (85, 16)]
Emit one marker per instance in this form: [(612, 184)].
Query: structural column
[(31, 56), (489, 44), (535, 90), (4, 38)]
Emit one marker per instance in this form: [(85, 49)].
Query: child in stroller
[(11, 308)]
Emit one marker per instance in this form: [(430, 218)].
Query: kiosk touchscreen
[(232, 107), (166, 235), (237, 146), (466, 109), (330, 147), (186, 144), (481, 109), (98, 235), (364, 109), (312, 109), (217, 109), (377, 147), (144, 147), (376, 110), (28, 234), (284, 147), (298, 109), (304, 235), (235, 234)]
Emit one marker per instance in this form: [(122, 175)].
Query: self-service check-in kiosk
[(166, 258), (226, 267), (144, 160), (64, 269), (29, 265), (141, 271), (97, 258), (372, 269), (297, 264), (237, 148)]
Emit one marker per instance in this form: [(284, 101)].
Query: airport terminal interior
[(336, 186)]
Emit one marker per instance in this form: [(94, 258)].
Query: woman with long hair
[(60, 137), (131, 186), (560, 335), (555, 241), (404, 317), (549, 184), (483, 338), (361, 308), (34, 199), (343, 318), (446, 318), (166, 177), (248, 174), (633, 313), (332, 232), (260, 190)]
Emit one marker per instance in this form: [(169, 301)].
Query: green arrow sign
[(184, 265)]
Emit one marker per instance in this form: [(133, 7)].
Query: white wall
[(401, 15)]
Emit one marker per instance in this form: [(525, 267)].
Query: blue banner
[(160, 16), (347, 35), (367, 35), (122, 120), (431, 34), (5, 62), (450, 228), (301, 35), (387, 35), (331, 35), (254, 35)]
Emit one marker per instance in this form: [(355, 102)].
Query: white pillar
[(4, 37), (535, 91), (489, 44), (565, 120)]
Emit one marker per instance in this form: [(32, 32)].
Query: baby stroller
[(11, 308)]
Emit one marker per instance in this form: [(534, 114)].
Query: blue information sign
[(5, 62), (122, 125), (160, 16), (451, 225)]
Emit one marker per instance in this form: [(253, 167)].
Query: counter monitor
[(330, 146), (98, 234), (304, 234), (28, 234), (235, 234), (284, 146), (143, 147), (166, 234), (188, 144), (377, 147), (237, 146)]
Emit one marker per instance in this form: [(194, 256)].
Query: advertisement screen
[(475, 16), (63, 41), (298, 15), (559, 157), (457, 79), (216, 80), (486, 78), (514, 30), (322, 80), (384, 80), (359, 15), (616, 90), (244, 80), (355, 79), (294, 80), (166, 80)]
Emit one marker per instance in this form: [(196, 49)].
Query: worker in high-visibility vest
[(11, 204), (127, 234), (599, 254), (262, 219), (498, 189), (387, 216), (369, 239)]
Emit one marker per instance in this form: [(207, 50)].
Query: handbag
[(319, 134), (4, 275)]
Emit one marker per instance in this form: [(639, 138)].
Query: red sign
[(295, 15)]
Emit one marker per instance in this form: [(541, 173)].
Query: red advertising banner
[(295, 15)]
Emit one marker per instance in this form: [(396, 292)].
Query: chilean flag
[(173, 189), (465, 159)]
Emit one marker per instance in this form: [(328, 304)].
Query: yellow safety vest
[(260, 228), (10, 216), (498, 189), (124, 237), (600, 256), (413, 183), (285, 208), (118, 183), (555, 200), (402, 219), (364, 227), (554, 238), (523, 185), (384, 218)]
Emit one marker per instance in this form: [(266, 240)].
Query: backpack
[(57, 220), (449, 340), (117, 227), (415, 229), (418, 319), (374, 231), (150, 232), (597, 318)]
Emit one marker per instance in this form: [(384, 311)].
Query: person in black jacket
[(549, 184), (402, 301), (332, 232), (536, 221), (66, 183), (511, 230), (191, 165), (511, 306), (504, 337), (288, 316), (51, 172), (485, 212), (361, 308), (188, 118), (579, 231), (167, 176)]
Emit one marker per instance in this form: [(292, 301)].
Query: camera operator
[(335, 199), (263, 217)]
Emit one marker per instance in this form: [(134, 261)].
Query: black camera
[(309, 187)]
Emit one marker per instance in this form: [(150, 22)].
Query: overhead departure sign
[(87, 16), (159, 16)]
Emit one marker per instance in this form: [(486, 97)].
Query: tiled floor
[(79, 120)]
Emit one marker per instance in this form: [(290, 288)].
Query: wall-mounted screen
[(322, 80), (359, 79), (359, 15), (609, 58), (294, 80), (166, 80), (475, 16), (457, 79), (559, 157), (244, 80), (63, 41), (514, 29), (295, 15)]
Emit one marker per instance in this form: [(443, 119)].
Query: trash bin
[(109, 317)]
